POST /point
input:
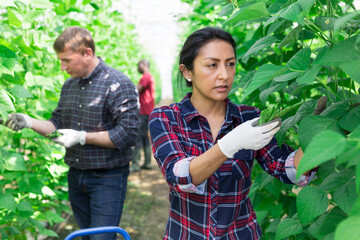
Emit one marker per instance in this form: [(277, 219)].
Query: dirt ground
[(145, 210)]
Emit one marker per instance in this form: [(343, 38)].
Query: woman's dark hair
[(195, 42)]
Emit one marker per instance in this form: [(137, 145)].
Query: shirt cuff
[(181, 169), (291, 172)]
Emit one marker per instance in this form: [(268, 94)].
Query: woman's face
[(214, 71)]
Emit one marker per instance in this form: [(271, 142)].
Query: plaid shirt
[(219, 208), (106, 100)]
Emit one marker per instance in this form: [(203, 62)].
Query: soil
[(145, 210)]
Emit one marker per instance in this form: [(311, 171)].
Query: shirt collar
[(189, 112), (94, 72)]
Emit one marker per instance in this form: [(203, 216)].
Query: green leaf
[(53, 217), (14, 162), (345, 196), (351, 153), (260, 45), (8, 58), (25, 49), (336, 179), (14, 18), (263, 75), (311, 203), (351, 119), (20, 92), (345, 51), (352, 69), (5, 101), (322, 148), (292, 36), (332, 219), (312, 125), (336, 110), (309, 76), (25, 206), (33, 186), (301, 60), (254, 11), (288, 227), (298, 11), (7, 201), (348, 229), (287, 76)]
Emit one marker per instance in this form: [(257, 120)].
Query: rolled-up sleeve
[(124, 108), (291, 172), (167, 149)]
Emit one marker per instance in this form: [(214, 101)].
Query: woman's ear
[(185, 72)]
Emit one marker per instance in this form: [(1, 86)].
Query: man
[(146, 89), (97, 115)]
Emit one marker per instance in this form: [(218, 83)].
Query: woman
[(205, 146)]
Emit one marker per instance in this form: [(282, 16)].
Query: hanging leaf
[(8, 58), (14, 162), (7, 201), (6, 102), (309, 76), (311, 203), (312, 125), (14, 18), (322, 148), (345, 196), (254, 11), (292, 36), (341, 21), (20, 92), (345, 51), (298, 11), (287, 76), (300, 61), (351, 119), (261, 44), (288, 227), (263, 75), (352, 69)]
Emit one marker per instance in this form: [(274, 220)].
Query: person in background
[(97, 117), (146, 88), (205, 146)]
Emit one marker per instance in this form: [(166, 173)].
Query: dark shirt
[(222, 209), (106, 100)]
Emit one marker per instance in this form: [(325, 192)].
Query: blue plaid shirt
[(220, 207), (106, 100)]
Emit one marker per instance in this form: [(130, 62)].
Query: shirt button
[(90, 82), (82, 88), (77, 159), (80, 106), (214, 204), (214, 224), (79, 124)]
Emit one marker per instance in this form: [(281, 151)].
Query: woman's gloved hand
[(248, 136)]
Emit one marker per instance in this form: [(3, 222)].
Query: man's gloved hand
[(70, 137), (18, 121), (320, 105), (248, 136)]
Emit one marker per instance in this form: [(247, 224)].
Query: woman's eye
[(231, 64), (212, 65)]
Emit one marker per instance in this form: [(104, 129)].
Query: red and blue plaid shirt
[(219, 208)]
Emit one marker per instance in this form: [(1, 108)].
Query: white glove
[(247, 136), (70, 137), (18, 121)]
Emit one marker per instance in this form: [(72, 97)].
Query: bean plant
[(33, 195), (290, 53)]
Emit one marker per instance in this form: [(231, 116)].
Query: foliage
[(293, 52), (33, 175)]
